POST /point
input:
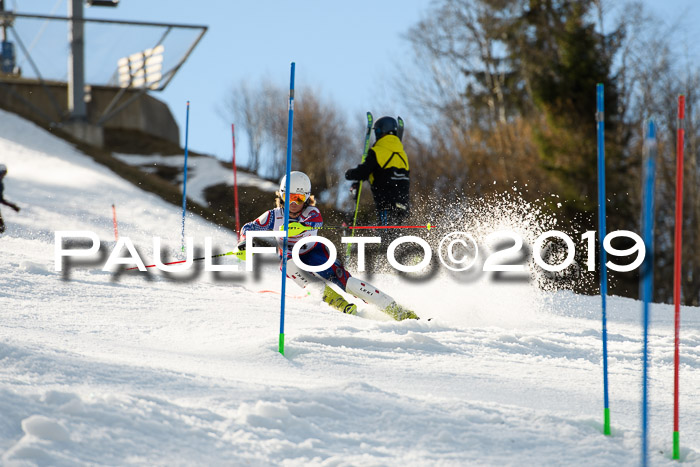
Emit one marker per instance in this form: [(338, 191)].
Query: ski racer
[(303, 210), (3, 172), (386, 167)]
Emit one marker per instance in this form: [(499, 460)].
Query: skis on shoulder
[(368, 134)]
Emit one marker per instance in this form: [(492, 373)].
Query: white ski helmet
[(299, 183), (3, 169)]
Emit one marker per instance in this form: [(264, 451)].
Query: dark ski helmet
[(385, 126)]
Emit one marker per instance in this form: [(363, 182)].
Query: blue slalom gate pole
[(184, 183), (647, 284), (290, 127), (600, 127)]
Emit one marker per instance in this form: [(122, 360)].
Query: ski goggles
[(298, 198)]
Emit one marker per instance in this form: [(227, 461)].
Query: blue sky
[(344, 49), (347, 50)]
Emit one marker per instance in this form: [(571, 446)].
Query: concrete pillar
[(85, 132), (76, 62)]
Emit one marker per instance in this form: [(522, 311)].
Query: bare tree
[(322, 144), (503, 76), (243, 106), (469, 98)]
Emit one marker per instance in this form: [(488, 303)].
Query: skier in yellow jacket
[(386, 167)]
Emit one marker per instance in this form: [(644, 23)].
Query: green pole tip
[(281, 343), (676, 445), (606, 425)]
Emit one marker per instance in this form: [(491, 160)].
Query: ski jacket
[(387, 169), (273, 219)]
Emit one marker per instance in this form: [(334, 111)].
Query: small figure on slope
[(3, 172), (302, 209)]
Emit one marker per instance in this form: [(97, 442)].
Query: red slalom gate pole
[(235, 182), (677, 254), (392, 227), (296, 228), (114, 219)]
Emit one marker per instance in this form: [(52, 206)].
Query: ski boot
[(335, 300), (399, 313)]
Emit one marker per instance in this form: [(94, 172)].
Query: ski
[(400, 132), (368, 134)]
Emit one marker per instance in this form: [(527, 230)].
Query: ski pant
[(336, 274), (316, 256), (391, 216)]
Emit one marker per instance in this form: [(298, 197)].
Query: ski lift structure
[(136, 73), (8, 61)]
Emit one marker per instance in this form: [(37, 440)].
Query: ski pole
[(238, 254), (368, 134)]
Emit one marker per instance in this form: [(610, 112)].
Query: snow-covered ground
[(202, 172), (183, 369)]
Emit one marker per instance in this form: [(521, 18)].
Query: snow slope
[(202, 172), (183, 369)]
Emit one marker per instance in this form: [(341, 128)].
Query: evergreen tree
[(562, 57)]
